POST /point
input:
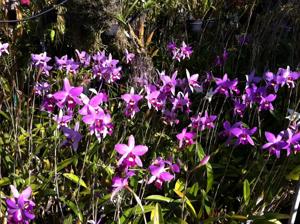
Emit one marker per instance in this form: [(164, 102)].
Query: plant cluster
[(83, 109)]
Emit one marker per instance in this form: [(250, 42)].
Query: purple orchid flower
[(100, 123), (129, 56), (275, 144), (69, 95), (92, 105), (252, 79), (20, 207), (41, 88), (272, 80), (155, 98), (131, 153), (193, 82), (159, 173), (286, 76), (181, 102), (185, 50), (48, 103), (225, 85), (185, 138), (132, 101), (169, 117), (61, 62), (239, 108), (227, 132), (73, 137), (84, 58), (221, 59), (244, 135), (172, 46), (202, 123), (169, 83), (3, 48), (266, 102), (40, 61), (118, 184), (62, 120), (292, 139)]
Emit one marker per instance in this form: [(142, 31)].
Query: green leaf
[(157, 215), (246, 191), (68, 220), (4, 181), (74, 208), (188, 202), (159, 198), (75, 179), (66, 163), (210, 177), (135, 211), (179, 185), (52, 35), (294, 174)]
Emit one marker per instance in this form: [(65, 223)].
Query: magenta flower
[(48, 103), (3, 48), (131, 153), (41, 88), (20, 207), (169, 83), (84, 58), (40, 61), (193, 82), (244, 135), (266, 102), (225, 85), (272, 80), (69, 95), (202, 123), (170, 117), (73, 137), (286, 76), (159, 173), (181, 102), (252, 79), (275, 144), (155, 98), (292, 140), (92, 105), (221, 59), (129, 56), (185, 138), (185, 50), (118, 184), (205, 160), (25, 2), (239, 108), (100, 123), (62, 120), (132, 101), (106, 67)]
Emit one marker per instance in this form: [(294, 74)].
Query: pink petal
[(166, 176), (76, 91), (138, 161), (60, 95), (270, 137), (26, 193), (67, 85), (121, 148), (139, 150), (131, 142), (14, 191)]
